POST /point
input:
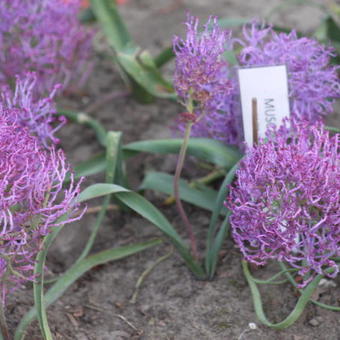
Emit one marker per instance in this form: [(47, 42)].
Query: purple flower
[(286, 203), (32, 199), (201, 70), (313, 81), (44, 36), (37, 115), (202, 75)]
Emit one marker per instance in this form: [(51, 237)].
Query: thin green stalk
[(112, 148), (272, 279), (332, 129), (4, 335), (303, 300), (38, 287), (180, 208)]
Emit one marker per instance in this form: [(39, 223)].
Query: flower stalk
[(3, 322), (179, 205)]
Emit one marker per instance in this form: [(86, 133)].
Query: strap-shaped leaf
[(202, 196), (147, 210), (206, 149), (77, 271)]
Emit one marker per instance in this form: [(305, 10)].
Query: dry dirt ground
[(171, 304)]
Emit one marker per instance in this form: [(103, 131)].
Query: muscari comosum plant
[(285, 207), (207, 88), (39, 193)]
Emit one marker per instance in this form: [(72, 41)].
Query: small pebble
[(315, 321)]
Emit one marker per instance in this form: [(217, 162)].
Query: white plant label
[(269, 87)]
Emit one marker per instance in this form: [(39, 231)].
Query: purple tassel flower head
[(286, 203), (32, 199), (44, 36), (201, 70), (202, 76), (38, 115), (313, 81)]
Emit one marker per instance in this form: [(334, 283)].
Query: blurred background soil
[(171, 304)]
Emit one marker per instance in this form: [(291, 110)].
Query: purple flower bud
[(44, 36), (313, 81), (32, 199), (37, 115), (286, 203)]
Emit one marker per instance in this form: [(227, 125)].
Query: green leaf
[(206, 149), (77, 271), (99, 190), (164, 57), (38, 286), (212, 253), (306, 294), (146, 209), (214, 244), (113, 146), (140, 66), (87, 16), (90, 167), (113, 26), (202, 197)]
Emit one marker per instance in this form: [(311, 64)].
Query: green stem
[(306, 294), (3, 323), (180, 208)]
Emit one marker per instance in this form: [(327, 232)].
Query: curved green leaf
[(206, 149), (203, 196), (77, 271), (306, 294), (140, 66), (146, 209), (90, 167), (113, 26), (38, 286)]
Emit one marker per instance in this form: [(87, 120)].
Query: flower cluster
[(285, 204), (313, 81), (37, 115), (201, 71), (43, 36), (32, 199), (202, 76)]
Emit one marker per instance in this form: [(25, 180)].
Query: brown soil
[(171, 304)]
